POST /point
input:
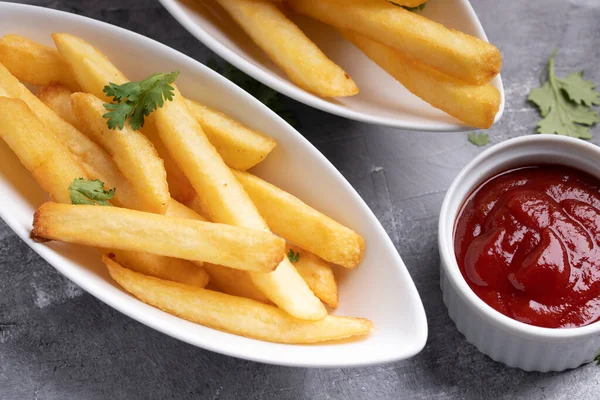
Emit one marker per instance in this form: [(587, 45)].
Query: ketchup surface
[(527, 242)]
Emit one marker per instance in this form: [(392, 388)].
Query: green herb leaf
[(411, 9), (565, 104), (479, 139), (597, 359), (293, 257), (90, 192), (264, 94), (132, 101)]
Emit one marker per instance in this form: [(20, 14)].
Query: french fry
[(222, 195), (301, 224), (475, 105), (123, 229), (232, 314), (451, 52), (51, 163), (290, 48), (95, 161), (34, 63), (234, 282), (179, 185), (171, 269), (58, 98), (240, 147), (90, 67), (131, 151), (317, 274)]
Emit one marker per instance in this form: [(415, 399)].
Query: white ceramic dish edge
[(95, 281), (506, 340)]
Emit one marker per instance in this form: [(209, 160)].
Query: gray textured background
[(57, 342)]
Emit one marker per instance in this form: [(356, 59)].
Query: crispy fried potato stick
[(451, 52), (133, 153), (317, 274), (475, 105), (240, 147), (120, 228), (51, 163), (232, 314), (34, 63), (301, 224), (290, 48)]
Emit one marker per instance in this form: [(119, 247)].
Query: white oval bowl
[(504, 339), (382, 100), (380, 289)]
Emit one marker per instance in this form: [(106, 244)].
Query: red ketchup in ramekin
[(527, 242)]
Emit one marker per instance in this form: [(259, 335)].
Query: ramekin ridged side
[(505, 340)]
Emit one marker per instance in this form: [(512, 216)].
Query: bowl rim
[(446, 242), (293, 91)]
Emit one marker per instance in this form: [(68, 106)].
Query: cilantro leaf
[(293, 257), (565, 104), (479, 139), (132, 101), (262, 93), (411, 9), (597, 359), (90, 192)]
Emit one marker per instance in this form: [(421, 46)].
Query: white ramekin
[(503, 339)]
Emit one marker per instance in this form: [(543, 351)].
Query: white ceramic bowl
[(380, 289), (382, 100), (506, 340)]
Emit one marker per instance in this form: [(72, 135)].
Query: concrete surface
[(57, 342)]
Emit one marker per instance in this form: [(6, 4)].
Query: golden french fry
[(290, 48), (317, 274), (240, 147), (234, 282), (179, 185), (123, 229), (233, 314), (451, 52), (95, 161), (222, 195), (90, 67), (167, 268), (58, 98), (131, 151), (475, 105), (34, 63), (51, 163), (301, 224)]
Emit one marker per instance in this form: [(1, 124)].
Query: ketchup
[(527, 242)]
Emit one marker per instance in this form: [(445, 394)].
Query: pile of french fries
[(185, 213), (448, 69)]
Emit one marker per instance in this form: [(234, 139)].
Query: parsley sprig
[(90, 192), (132, 101), (293, 257), (479, 139), (566, 104)]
